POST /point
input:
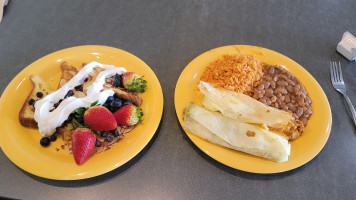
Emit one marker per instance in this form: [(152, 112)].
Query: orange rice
[(233, 72)]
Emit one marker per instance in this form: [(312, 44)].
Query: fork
[(339, 85)]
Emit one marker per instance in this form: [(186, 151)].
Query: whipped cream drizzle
[(49, 121)]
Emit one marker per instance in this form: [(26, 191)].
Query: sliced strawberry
[(128, 115), (133, 82), (83, 142), (100, 118)]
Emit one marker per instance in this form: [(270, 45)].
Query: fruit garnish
[(45, 141), (83, 142), (128, 115), (133, 82), (99, 118)]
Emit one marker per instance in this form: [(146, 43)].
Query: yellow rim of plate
[(303, 150), (21, 145)]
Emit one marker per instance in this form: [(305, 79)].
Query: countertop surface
[(167, 35)]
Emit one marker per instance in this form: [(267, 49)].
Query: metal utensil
[(339, 85)]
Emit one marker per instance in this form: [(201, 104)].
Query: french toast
[(39, 90), (68, 71)]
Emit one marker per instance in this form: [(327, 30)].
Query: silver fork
[(339, 85)]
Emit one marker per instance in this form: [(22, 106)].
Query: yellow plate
[(303, 150), (21, 145)]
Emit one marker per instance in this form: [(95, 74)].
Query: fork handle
[(352, 109)]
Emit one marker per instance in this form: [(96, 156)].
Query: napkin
[(347, 46), (3, 3)]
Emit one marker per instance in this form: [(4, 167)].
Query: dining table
[(166, 36)]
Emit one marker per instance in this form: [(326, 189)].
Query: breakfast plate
[(303, 149), (22, 145)]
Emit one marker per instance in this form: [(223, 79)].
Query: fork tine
[(340, 73), (336, 72), (332, 72)]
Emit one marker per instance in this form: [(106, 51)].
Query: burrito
[(234, 134), (246, 109)]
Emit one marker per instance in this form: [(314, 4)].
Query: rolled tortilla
[(233, 134), (246, 109)]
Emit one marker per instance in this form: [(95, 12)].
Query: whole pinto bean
[(287, 99), (284, 107), (291, 107), (282, 76), (290, 88), (267, 78), (282, 83), (273, 98), (296, 87), (290, 82), (273, 84), (282, 98), (268, 93), (263, 100), (304, 120), (281, 90), (299, 112), (267, 84), (275, 78), (301, 102), (271, 70), (309, 110), (261, 87)]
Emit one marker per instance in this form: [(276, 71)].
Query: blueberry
[(109, 138), (45, 141), (117, 80), (70, 118), (53, 138), (103, 134), (31, 101), (79, 88), (116, 104), (127, 103), (107, 105), (57, 104), (113, 109), (97, 143), (110, 99), (115, 132), (39, 94)]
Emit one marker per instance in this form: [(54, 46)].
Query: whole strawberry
[(83, 142), (128, 115), (100, 118), (133, 82)]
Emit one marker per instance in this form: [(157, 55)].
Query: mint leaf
[(95, 103), (80, 111)]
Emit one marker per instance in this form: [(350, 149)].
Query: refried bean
[(280, 89)]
